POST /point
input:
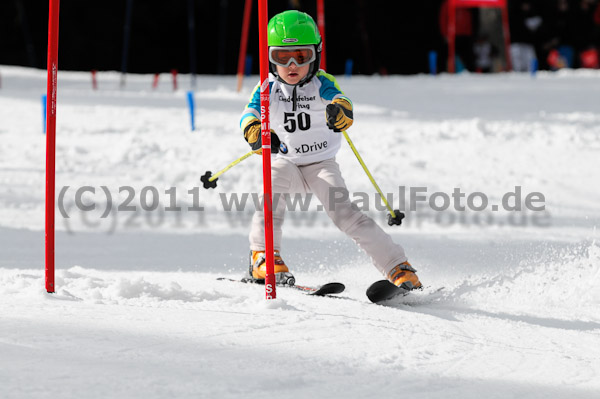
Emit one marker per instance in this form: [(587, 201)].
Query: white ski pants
[(325, 181)]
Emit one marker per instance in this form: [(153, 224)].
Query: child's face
[(293, 73)]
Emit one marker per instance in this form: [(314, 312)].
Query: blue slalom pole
[(534, 67), (248, 65), (191, 106), (44, 96), (349, 66), (432, 62)]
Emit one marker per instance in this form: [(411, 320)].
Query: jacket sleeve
[(252, 109), (330, 90)]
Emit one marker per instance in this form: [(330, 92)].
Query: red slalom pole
[(243, 44), (321, 26), (174, 73), (266, 148), (51, 139), (94, 81)]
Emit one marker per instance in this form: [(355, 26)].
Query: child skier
[(308, 111)]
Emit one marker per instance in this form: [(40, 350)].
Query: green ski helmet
[(295, 28)]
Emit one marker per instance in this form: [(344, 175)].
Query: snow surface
[(138, 312)]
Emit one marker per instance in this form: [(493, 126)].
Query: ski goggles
[(299, 55)]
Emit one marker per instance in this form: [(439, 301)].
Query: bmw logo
[(283, 148)]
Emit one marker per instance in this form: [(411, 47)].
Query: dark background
[(377, 35), (380, 36)]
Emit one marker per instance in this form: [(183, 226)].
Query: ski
[(383, 290), (322, 290)]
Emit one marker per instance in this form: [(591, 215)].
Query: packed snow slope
[(512, 298)]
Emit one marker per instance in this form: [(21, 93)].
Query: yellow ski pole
[(210, 181), (395, 217)]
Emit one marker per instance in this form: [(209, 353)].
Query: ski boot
[(405, 277), (401, 280), (258, 268)]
